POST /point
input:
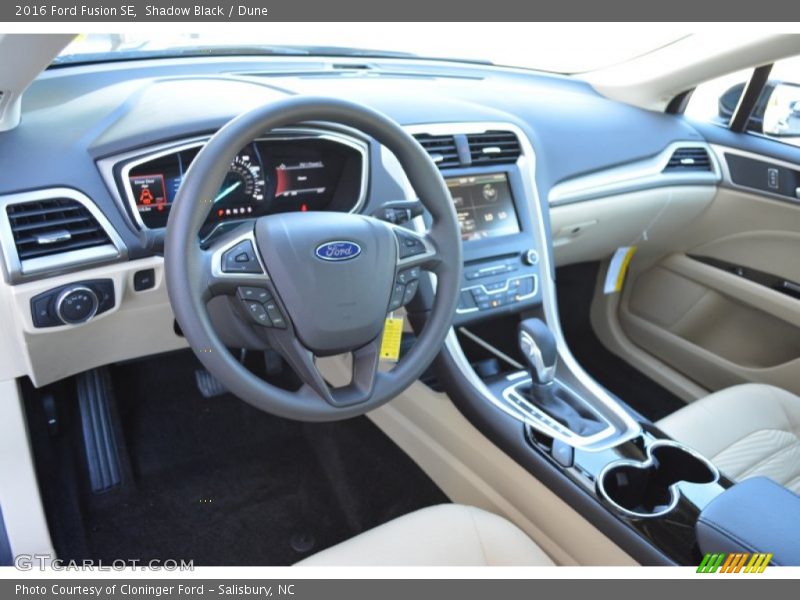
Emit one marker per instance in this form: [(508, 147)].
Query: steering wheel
[(311, 284)]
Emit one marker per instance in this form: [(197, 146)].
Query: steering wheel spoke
[(365, 361)]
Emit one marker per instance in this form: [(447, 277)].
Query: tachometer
[(243, 188)]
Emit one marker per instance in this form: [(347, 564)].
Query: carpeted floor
[(215, 480)]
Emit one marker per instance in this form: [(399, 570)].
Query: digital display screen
[(484, 206)]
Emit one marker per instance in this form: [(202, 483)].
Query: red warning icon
[(146, 197)]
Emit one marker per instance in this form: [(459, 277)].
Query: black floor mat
[(575, 288), (219, 482)]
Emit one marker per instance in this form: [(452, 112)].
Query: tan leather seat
[(444, 535), (746, 430)]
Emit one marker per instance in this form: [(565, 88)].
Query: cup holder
[(649, 488)]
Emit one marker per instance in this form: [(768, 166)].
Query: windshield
[(508, 44)]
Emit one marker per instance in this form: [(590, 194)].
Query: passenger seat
[(444, 535), (746, 430)]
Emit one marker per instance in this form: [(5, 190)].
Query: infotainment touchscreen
[(484, 205)]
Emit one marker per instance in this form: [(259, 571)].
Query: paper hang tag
[(392, 336), (618, 269)]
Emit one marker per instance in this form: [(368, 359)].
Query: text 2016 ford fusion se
[(317, 305)]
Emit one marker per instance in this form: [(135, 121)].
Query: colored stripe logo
[(738, 562)]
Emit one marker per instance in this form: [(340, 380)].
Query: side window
[(780, 113), (776, 114), (714, 101)]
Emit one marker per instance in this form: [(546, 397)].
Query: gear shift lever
[(538, 344)]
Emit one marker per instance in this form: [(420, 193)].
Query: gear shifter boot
[(563, 406)]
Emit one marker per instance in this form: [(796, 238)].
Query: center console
[(501, 269), (641, 488)]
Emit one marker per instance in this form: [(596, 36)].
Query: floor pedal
[(99, 437), (208, 385)]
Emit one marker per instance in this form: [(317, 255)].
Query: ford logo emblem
[(337, 251)]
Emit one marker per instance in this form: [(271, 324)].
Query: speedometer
[(242, 190)]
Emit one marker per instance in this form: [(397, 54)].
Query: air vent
[(689, 159), (52, 226), (493, 148), (442, 149)]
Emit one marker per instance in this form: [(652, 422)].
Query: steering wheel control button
[(398, 292), (241, 259), (258, 313), (76, 304), (275, 315), (411, 289), (410, 245), (144, 280), (254, 293)]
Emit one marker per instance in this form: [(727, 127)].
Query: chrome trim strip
[(559, 431), (135, 158), (674, 491), (54, 264), (526, 164), (634, 176), (727, 180)]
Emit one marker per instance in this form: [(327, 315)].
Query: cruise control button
[(258, 313), (411, 289), (254, 293), (396, 300), (408, 275)]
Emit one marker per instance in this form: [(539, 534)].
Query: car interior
[(264, 307)]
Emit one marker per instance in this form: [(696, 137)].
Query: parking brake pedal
[(99, 438)]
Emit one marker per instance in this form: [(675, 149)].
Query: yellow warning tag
[(392, 336), (618, 269)]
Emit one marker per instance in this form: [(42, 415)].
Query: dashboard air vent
[(442, 149), (493, 148), (46, 227), (689, 159)]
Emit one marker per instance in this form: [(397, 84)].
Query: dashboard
[(101, 152)]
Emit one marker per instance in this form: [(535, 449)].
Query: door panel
[(713, 309)]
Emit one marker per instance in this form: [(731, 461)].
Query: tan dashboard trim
[(140, 324)]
